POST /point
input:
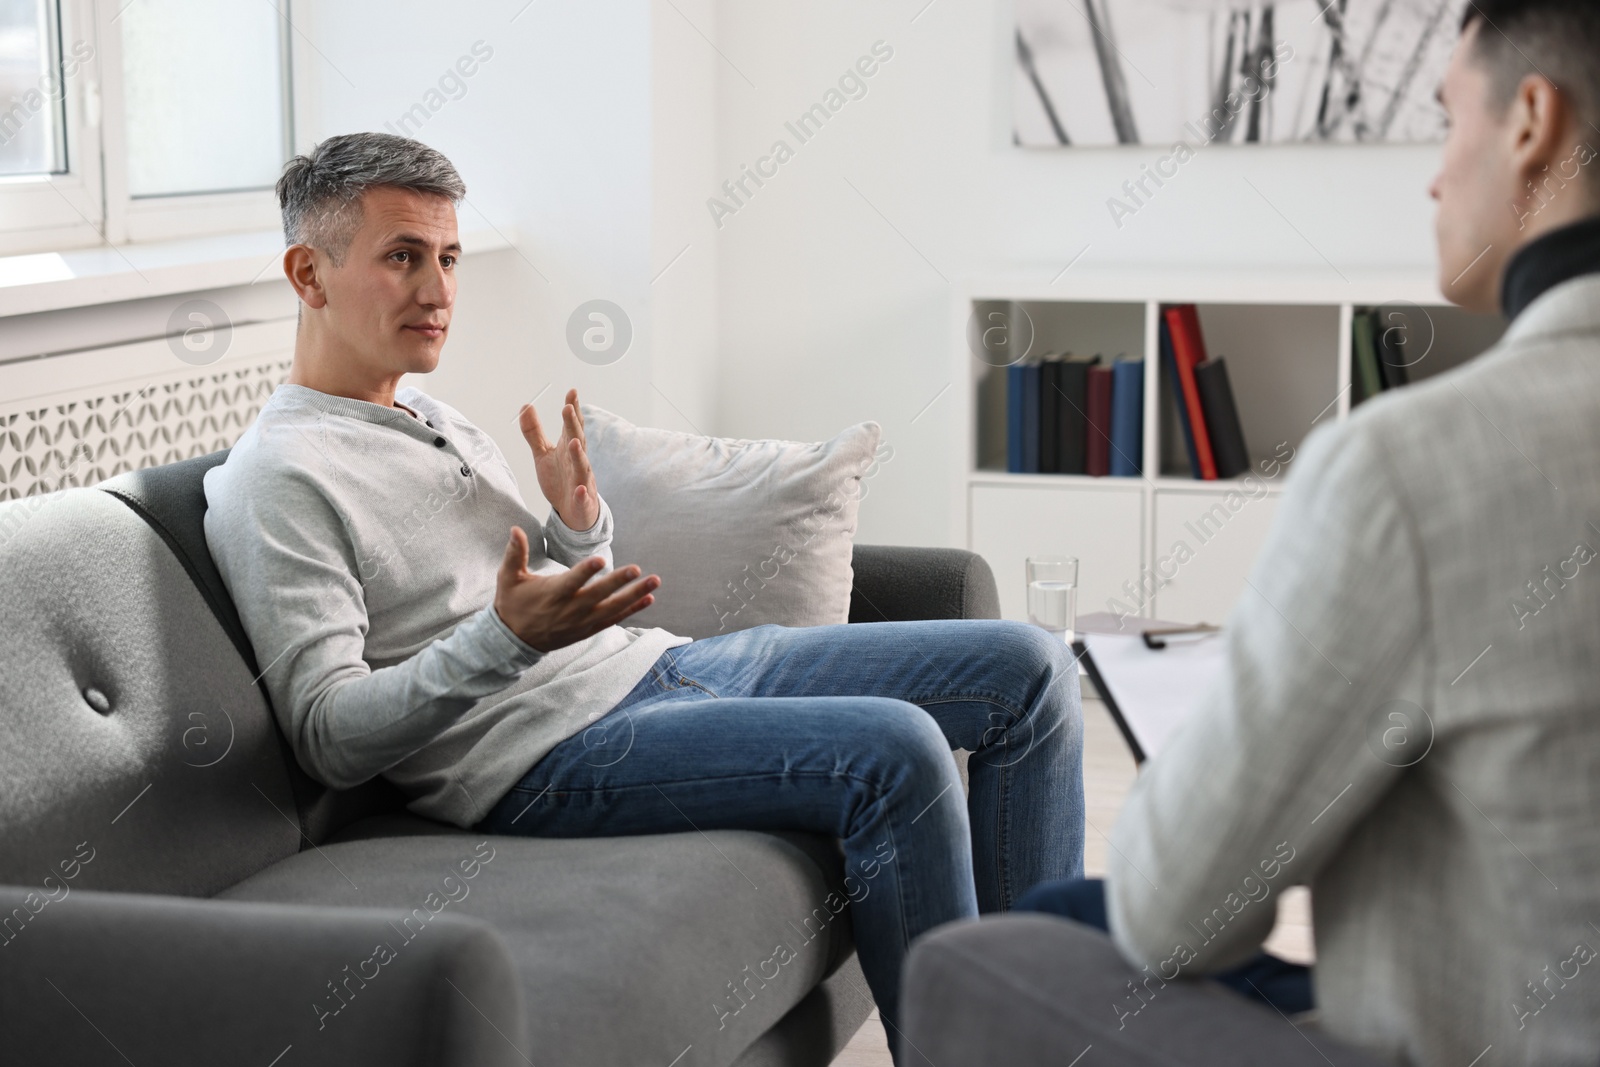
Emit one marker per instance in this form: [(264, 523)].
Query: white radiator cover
[(77, 419)]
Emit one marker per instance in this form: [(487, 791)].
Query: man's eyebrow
[(418, 242)]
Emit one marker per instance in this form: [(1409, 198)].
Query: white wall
[(597, 133), (683, 287), (828, 315), (566, 135)]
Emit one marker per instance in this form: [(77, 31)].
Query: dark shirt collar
[(1547, 261)]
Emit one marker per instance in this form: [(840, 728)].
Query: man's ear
[(1537, 124), (300, 266)]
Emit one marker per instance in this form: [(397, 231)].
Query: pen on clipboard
[(1153, 639)]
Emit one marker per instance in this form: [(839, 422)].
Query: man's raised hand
[(563, 468), (552, 611)]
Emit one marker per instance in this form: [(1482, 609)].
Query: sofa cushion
[(630, 949), (171, 498), (136, 751), (742, 532)]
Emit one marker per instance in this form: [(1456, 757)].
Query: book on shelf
[(1097, 441), (1127, 417), (1062, 413), (1222, 418), (1377, 356), (1169, 363), (1014, 418), (1391, 348), (1203, 396), (1365, 356), (1050, 368), (1073, 418), (1026, 415), (1188, 351)]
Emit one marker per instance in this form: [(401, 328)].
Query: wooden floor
[(1108, 771)]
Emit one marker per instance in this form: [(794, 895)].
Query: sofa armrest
[(107, 978), (898, 584)]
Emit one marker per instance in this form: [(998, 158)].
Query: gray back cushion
[(172, 499), (136, 751)]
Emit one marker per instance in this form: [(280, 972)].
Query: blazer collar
[(1572, 307)]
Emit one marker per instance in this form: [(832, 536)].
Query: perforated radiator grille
[(80, 440)]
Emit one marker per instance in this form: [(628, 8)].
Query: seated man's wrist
[(593, 532), (526, 653)]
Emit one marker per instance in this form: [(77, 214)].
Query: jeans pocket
[(675, 678)]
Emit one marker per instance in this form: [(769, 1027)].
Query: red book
[(1188, 351), (1097, 449)]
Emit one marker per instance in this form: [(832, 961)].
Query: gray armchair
[(174, 889)]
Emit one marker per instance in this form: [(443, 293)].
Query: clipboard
[(1149, 692)]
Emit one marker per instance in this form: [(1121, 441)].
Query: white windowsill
[(50, 281)]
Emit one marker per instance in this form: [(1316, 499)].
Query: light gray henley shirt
[(361, 545)]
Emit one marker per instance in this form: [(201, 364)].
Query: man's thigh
[(682, 760), (906, 660), (972, 675)]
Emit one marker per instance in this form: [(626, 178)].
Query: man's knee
[(907, 728), (911, 740), (1036, 655), (1037, 646)]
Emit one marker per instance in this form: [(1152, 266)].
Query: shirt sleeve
[(1326, 658), (286, 556), (568, 546)]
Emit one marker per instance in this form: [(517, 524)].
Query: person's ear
[(1536, 125), (300, 266)]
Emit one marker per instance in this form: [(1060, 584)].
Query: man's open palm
[(551, 611), (564, 472)]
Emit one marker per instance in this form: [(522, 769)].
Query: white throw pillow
[(741, 532)]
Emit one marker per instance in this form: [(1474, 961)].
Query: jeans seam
[(519, 788), (987, 698), (906, 887), (1002, 808), (1002, 831)]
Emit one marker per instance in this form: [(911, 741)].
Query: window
[(205, 113), (33, 129), (159, 119)]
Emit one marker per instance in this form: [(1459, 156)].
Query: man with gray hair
[(415, 620)]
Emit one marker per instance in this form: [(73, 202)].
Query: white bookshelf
[(1286, 336)]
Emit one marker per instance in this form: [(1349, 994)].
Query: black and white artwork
[(1099, 72)]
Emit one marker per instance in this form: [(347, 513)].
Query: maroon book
[(1097, 449)]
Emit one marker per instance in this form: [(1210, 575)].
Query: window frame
[(89, 204), (66, 210)]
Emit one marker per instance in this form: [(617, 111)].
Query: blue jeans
[(846, 730)]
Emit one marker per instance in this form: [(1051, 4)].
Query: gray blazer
[(1409, 721)]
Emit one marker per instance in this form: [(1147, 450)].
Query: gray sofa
[(175, 890)]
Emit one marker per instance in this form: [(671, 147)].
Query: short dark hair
[(1559, 39), (320, 192)]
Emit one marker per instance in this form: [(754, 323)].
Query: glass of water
[(1053, 594)]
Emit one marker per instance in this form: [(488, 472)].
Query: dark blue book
[(1222, 418), (1050, 415), (1014, 418), (1169, 363), (1072, 396), (1127, 417), (1030, 418)]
